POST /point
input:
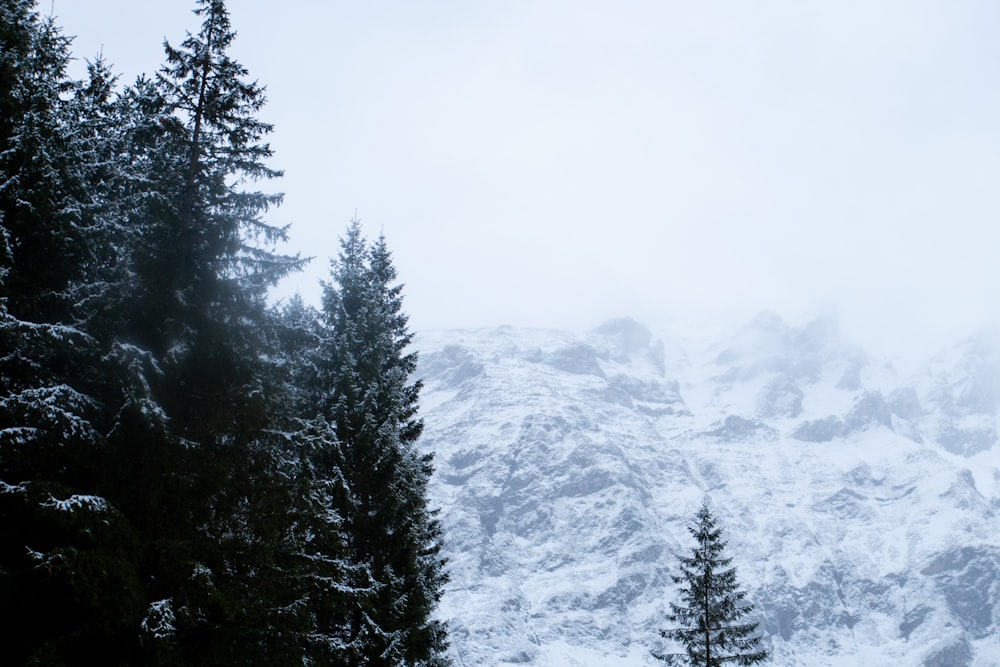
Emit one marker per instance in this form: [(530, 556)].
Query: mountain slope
[(861, 509)]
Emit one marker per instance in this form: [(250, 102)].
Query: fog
[(556, 163)]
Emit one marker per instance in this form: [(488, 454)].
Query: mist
[(556, 164)]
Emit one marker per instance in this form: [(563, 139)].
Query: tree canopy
[(189, 475), (709, 621)]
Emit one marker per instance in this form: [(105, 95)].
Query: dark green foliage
[(35, 170), (188, 476), (709, 620), (75, 586), (198, 429), (68, 557), (367, 396)]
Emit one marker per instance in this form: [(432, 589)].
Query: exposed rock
[(735, 428), (654, 398), (452, 366), (628, 335), (964, 396), (628, 339), (956, 653), (913, 619), (578, 358), (870, 410), (905, 403), (966, 441), (820, 430), (969, 578), (567, 467), (780, 397)]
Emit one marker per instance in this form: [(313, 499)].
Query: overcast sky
[(560, 162)]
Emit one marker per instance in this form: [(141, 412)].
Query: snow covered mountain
[(861, 508)]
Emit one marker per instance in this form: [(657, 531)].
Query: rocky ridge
[(861, 507)]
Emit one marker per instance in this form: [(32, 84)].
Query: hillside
[(860, 506)]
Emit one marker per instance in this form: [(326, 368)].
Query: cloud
[(561, 162)]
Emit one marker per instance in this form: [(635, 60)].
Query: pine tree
[(371, 403), (70, 586), (36, 166), (327, 581), (199, 437), (710, 617), (186, 475)]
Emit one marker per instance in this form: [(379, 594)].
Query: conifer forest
[(190, 474)]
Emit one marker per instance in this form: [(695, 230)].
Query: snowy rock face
[(860, 507), (964, 386)]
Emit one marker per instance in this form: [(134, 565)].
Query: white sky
[(560, 162)]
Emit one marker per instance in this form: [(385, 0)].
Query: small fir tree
[(710, 619)]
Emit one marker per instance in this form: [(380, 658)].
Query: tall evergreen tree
[(709, 620), (200, 432), (328, 582), (368, 397), (188, 476), (37, 165), (67, 555)]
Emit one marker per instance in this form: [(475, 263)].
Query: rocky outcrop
[(567, 466)]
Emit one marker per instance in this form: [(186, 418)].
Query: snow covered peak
[(767, 345), (962, 394), (568, 464)]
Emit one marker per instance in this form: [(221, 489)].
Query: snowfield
[(860, 507)]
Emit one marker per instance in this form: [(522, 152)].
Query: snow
[(12, 488), (159, 620), (567, 467), (77, 502)]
